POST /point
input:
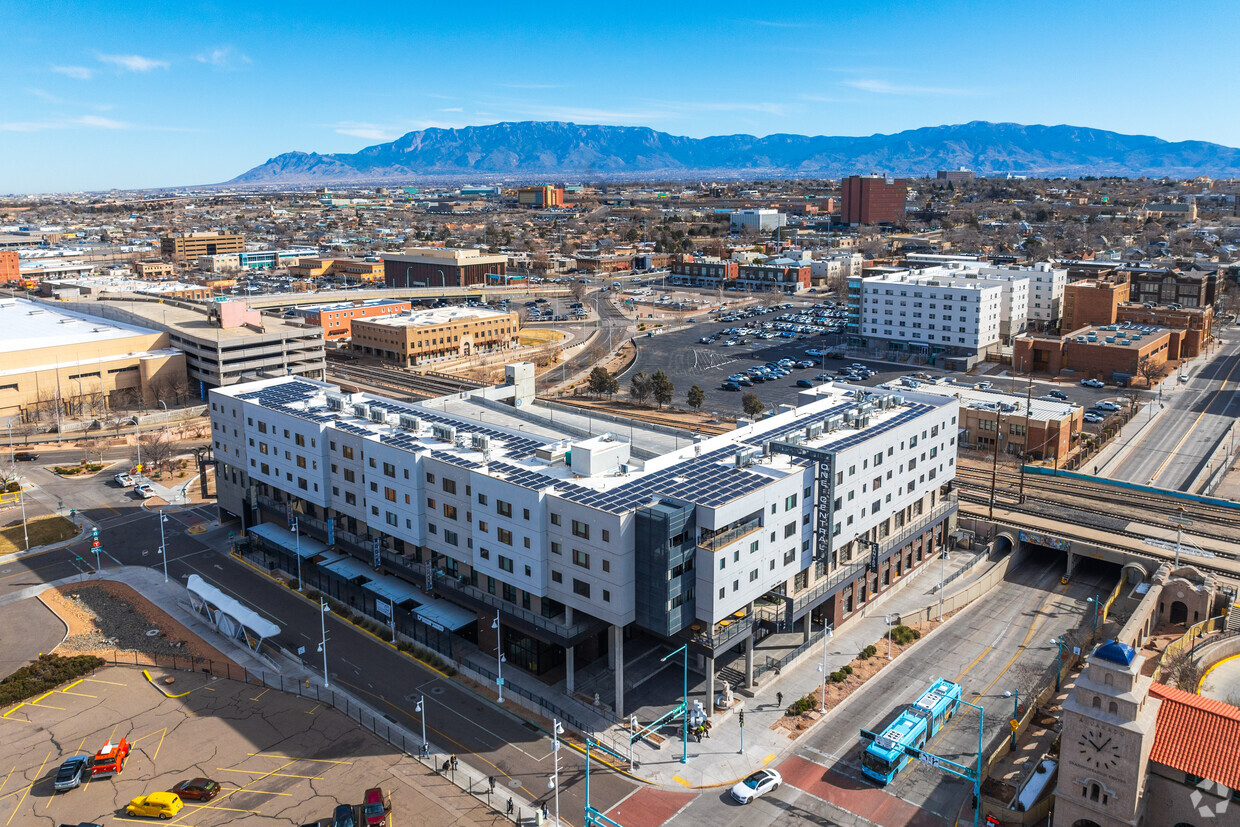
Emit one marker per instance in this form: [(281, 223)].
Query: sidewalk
[(719, 760)]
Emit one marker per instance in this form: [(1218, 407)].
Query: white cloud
[(882, 87), (369, 131), (452, 109), (134, 63), (100, 123), (47, 96), (88, 121), (223, 58), (75, 72)]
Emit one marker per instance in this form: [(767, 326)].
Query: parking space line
[(29, 786), (266, 775), (259, 695), (111, 683), (312, 709), (257, 792), (292, 758), (6, 778)]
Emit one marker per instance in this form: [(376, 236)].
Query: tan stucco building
[(53, 360), (427, 335)]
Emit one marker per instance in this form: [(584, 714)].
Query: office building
[(431, 335), (1046, 287), (337, 319), (784, 275), (1092, 302), (186, 247), (154, 270), (439, 267), (961, 174), (872, 199), (1112, 353), (1037, 430), (758, 221), (352, 269), (1194, 324), (254, 259), (834, 270), (1172, 285), (587, 544), (224, 342), (56, 361), (541, 197)]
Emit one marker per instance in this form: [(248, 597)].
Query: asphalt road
[(1175, 452), (483, 735), (998, 645)]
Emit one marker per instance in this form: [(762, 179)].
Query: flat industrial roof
[(437, 316), (31, 325), (193, 322), (1039, 409)]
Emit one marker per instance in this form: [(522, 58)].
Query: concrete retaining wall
[(963, 597)]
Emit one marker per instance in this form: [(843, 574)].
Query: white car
[(1092, 417), (1093, 383), (123, 480), (760, 783), (1107, 406)]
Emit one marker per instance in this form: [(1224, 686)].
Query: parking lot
[(688, 361), (279, 759)]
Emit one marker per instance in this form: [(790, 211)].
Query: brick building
[(1108, 353), (1195, 325), (704, 271), (1092, 302), (189, 246), (337, 319), (9, 267), (427, 335), (439, 267), (1043, 430), (545, 196), (351, 268), (873, 199), (1171, 285)]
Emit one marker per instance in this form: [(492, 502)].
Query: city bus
[(884, 757)]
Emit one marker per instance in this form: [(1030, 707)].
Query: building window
[(606, 536), (556, 577), (580, 558), (504, 536), (389, 494), (790, 529), (389, 469), (503, 509), (449, 511), (581, 530), (581, 587), (449, 486), (482, 499), (555, 518), (557, 548), (505, 563), (484, 554)]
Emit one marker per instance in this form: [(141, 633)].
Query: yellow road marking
[(1191, 428), (6, 778), (263, 775), (14, 709), (110, 683), (261, 694), (45, 706), (293, 758), (681, 780), (768, 759), (1202, 682), (312, 709), (25, 792), (70, 686), (163, 691)]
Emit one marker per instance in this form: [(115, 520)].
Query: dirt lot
[(281, 760)]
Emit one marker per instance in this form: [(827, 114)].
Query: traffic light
[(94, 532), (741, 717)]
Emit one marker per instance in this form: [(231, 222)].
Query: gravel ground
[(107, 617)]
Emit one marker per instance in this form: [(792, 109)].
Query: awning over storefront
[(444, 616), (349, 568), (394, 589), (306, 546)]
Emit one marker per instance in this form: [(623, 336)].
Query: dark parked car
[(343, 816), (25, 456), (804, 383), (72, 773), (197, 789)]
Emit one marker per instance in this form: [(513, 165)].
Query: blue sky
[(180, 93)]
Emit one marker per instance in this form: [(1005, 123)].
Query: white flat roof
[(444, 616), (30, 325), (437, 316)]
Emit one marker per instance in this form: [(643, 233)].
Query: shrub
[(839, 676), (903, 634), (44, 675), (846, 669), (802, 705), (869, 652)]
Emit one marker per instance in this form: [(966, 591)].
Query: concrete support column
[(570, 683), (710, 685), (749, 662), (568, 615), (1071, 562), (805, 622), (617, 646)]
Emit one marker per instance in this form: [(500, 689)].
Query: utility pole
[(1024, 454), (994, 468)]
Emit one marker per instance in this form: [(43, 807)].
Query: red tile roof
[(1197, 735)]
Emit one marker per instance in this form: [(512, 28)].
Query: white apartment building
[(1046, 285), (758, 220), (438, 519), (932, 311), (834, 269)]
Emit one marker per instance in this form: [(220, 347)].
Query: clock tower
[(1108, 729)]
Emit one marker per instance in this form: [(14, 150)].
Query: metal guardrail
[(718, 541)]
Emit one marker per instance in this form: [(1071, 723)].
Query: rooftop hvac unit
[(833, 424), (334, 402), (813, 430), (795, 439), (481, 442), (410, 423), (378, 415), (361, 410), (444, 433), (744, 457), (551, 453)]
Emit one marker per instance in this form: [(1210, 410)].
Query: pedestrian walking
[(447, 762), (492, 782), (509, 811), (454, 763), (546, 815), (779, 699), (697, 733)]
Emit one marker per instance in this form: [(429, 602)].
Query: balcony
[(731, 535), (886, 545)]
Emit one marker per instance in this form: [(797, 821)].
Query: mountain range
[(540, 149)]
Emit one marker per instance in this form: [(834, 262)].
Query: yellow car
[(155, 805)]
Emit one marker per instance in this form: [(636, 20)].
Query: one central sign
[(825, 503)]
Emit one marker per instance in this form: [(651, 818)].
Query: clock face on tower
[(1098, 748)]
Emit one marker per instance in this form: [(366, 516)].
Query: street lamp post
[(888, 619), (163, 545), (1096, 600), (323, 610), (294, 524), (684, 752), (499, 656), (556, 732), (942, 578), (830, 629), (21, 495), (1059, 667), (1015, 696), (421, 709)]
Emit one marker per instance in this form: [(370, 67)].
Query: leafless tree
[(92, 445), (158, 448), (1151, 371), (1181, 670)]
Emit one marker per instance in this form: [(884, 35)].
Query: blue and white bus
[(884, 757)]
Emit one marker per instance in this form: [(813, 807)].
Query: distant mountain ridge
[(533, 149)]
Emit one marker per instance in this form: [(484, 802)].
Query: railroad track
[(414, 384)]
